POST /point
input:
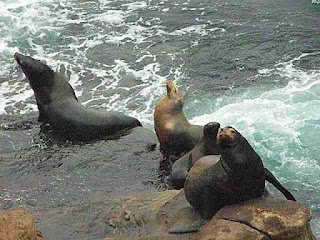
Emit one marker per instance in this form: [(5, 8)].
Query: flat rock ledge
[(148, 217), (18, 225)]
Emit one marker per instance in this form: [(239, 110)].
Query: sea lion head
[(235, 149), (228, 138), (174, 95), (37, 72), (211, 130)]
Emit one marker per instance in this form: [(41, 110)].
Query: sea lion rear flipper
[(195, 227), (272, 179)]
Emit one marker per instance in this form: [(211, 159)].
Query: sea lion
[(239, 175), (175, 134), (59, 106), (206, 146)]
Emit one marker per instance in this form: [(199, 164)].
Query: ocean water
[(252, 65)]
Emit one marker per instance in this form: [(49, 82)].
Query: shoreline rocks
[(258, 219), (18, 225), (111, 189)]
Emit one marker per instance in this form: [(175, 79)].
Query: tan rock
[(148, 217), (220, 229), (137, 213), (18, 224), (278, 219)]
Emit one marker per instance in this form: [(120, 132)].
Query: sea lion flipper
[(272, 179), (195, 227)]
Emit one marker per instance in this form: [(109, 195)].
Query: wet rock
[(258, 219), (109, 188), (222, 229), (16, 131), (278, 219), (18, 224), (65, 185)]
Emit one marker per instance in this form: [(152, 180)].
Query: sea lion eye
[(229, 131), (232, 131)]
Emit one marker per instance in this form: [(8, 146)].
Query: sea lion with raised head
[(175, 134), (238, 176), (206, 146), (58, 105)]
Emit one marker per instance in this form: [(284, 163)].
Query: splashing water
[(283, 125)]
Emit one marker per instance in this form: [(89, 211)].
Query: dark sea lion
[(58, 105), (238, 176), (206, 146), (174, 132)]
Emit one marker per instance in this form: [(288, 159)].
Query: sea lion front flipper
[(272, 179), (195, 227)]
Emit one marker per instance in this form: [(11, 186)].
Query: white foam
[(279, 122), (152, 88), (197, 29), (115, 17), (136, 5), (23, 93)]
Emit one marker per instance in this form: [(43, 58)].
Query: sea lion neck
[(240, 157), (235, 148), (177, 106)]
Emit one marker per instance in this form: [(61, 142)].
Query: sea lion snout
[(17, 58), (20, 59)]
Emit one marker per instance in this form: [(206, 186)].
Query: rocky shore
[(112, 189)]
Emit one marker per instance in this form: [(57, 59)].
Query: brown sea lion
[(206, 146), (175, 134), (239, 175), (59, 107)]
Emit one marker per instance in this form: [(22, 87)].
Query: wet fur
[(59, 106), (206, 146), (173, 130), (238, 176)]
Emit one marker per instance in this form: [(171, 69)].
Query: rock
[(168, 159), (136, 214), (258, 219), (109, 188), (66, 185), (18, 224), (222, 229), (278, 219)]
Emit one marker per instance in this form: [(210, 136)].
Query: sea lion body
[(59, 106), (206, 146), (174, 132), (238, 176)]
